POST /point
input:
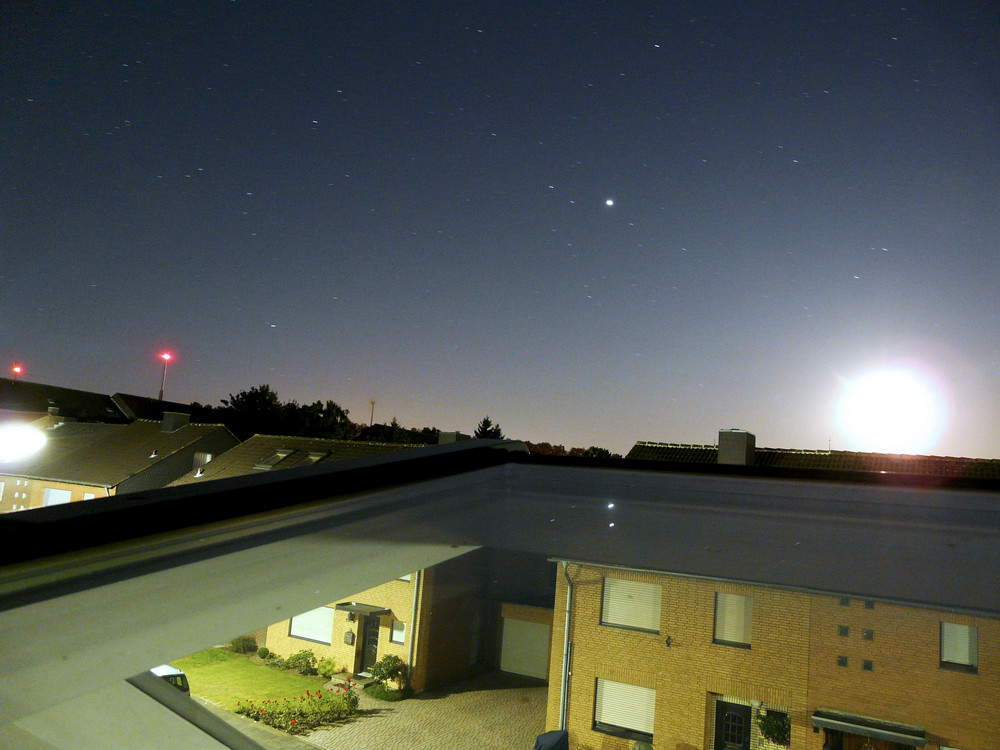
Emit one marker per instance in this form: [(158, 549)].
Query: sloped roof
[(146, 407), (783, 458), (105, 455), (23, 395), (249, 456)]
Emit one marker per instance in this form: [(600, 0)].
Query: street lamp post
[(166, 357)]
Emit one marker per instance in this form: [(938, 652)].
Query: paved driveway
[(491, 712)]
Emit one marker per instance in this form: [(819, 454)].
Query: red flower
[(292, 721)]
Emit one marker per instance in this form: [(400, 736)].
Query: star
[(609, 202)]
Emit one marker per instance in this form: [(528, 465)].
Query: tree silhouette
[(488, 430)]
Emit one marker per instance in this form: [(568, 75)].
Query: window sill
[(629, 627), (629, 734), (955, 667), (732, 644)]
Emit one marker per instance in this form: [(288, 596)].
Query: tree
[(257, 410), (260, 411), (488, 430), (595, 452)]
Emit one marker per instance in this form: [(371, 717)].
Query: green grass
[(224, 678)]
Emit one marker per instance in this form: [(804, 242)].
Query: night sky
[(408, 202)]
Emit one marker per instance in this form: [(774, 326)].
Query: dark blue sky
[(407, 203)]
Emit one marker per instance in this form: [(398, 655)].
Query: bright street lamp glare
[(166, 356), (19, 441), (891, 411)]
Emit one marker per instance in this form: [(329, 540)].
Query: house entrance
[(732, 726), (859, 742), (369, 643)]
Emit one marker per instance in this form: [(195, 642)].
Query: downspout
[(563, 699), (413, 626)]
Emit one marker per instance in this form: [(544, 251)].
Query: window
[(201, 458), (843, 630), (270, 461), (631, 604), (733, 619), (959, 646), (624, 710), (88, 495), (314, 625), (398, 632), (55, 497)]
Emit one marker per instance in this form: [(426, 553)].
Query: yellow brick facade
[(396, 596), (791, 664), (455, 628), (18, 493), (906, 683)]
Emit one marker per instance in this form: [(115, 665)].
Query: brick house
[(678, 659), (742, 554), (446, 622), (84, 460)]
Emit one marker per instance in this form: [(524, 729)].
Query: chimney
[(174, 420), (736, 447), (451, 437)]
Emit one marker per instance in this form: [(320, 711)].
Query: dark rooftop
[(831, 460)]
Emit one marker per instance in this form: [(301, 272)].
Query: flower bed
[(306, 712)]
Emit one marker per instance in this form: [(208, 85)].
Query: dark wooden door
[(732, 726), (369, 643)]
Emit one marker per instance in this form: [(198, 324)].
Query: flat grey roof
[(111, 587)]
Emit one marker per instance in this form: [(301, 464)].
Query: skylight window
[(269, 462)]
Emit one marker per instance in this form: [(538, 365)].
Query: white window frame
[(631, 604), (733, 619), (624, 710), (316, 625), (402, 632), (959, 646)]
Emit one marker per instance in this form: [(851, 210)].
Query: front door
[(858, 742), (732, 726), (369, 643)]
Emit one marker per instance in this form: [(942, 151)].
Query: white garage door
[(525, 648)]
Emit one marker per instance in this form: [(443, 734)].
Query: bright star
[(609, 202)]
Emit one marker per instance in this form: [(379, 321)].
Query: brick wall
[(906, 683), (19, 492), (791, 665), (394, 595)]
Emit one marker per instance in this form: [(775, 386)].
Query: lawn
[(224, 678)]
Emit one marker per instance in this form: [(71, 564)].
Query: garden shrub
[(303, 662), (243, 644), (385, 693), (263, 652), (327, 668), (305, 713), (389, 668), (775, 726)]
